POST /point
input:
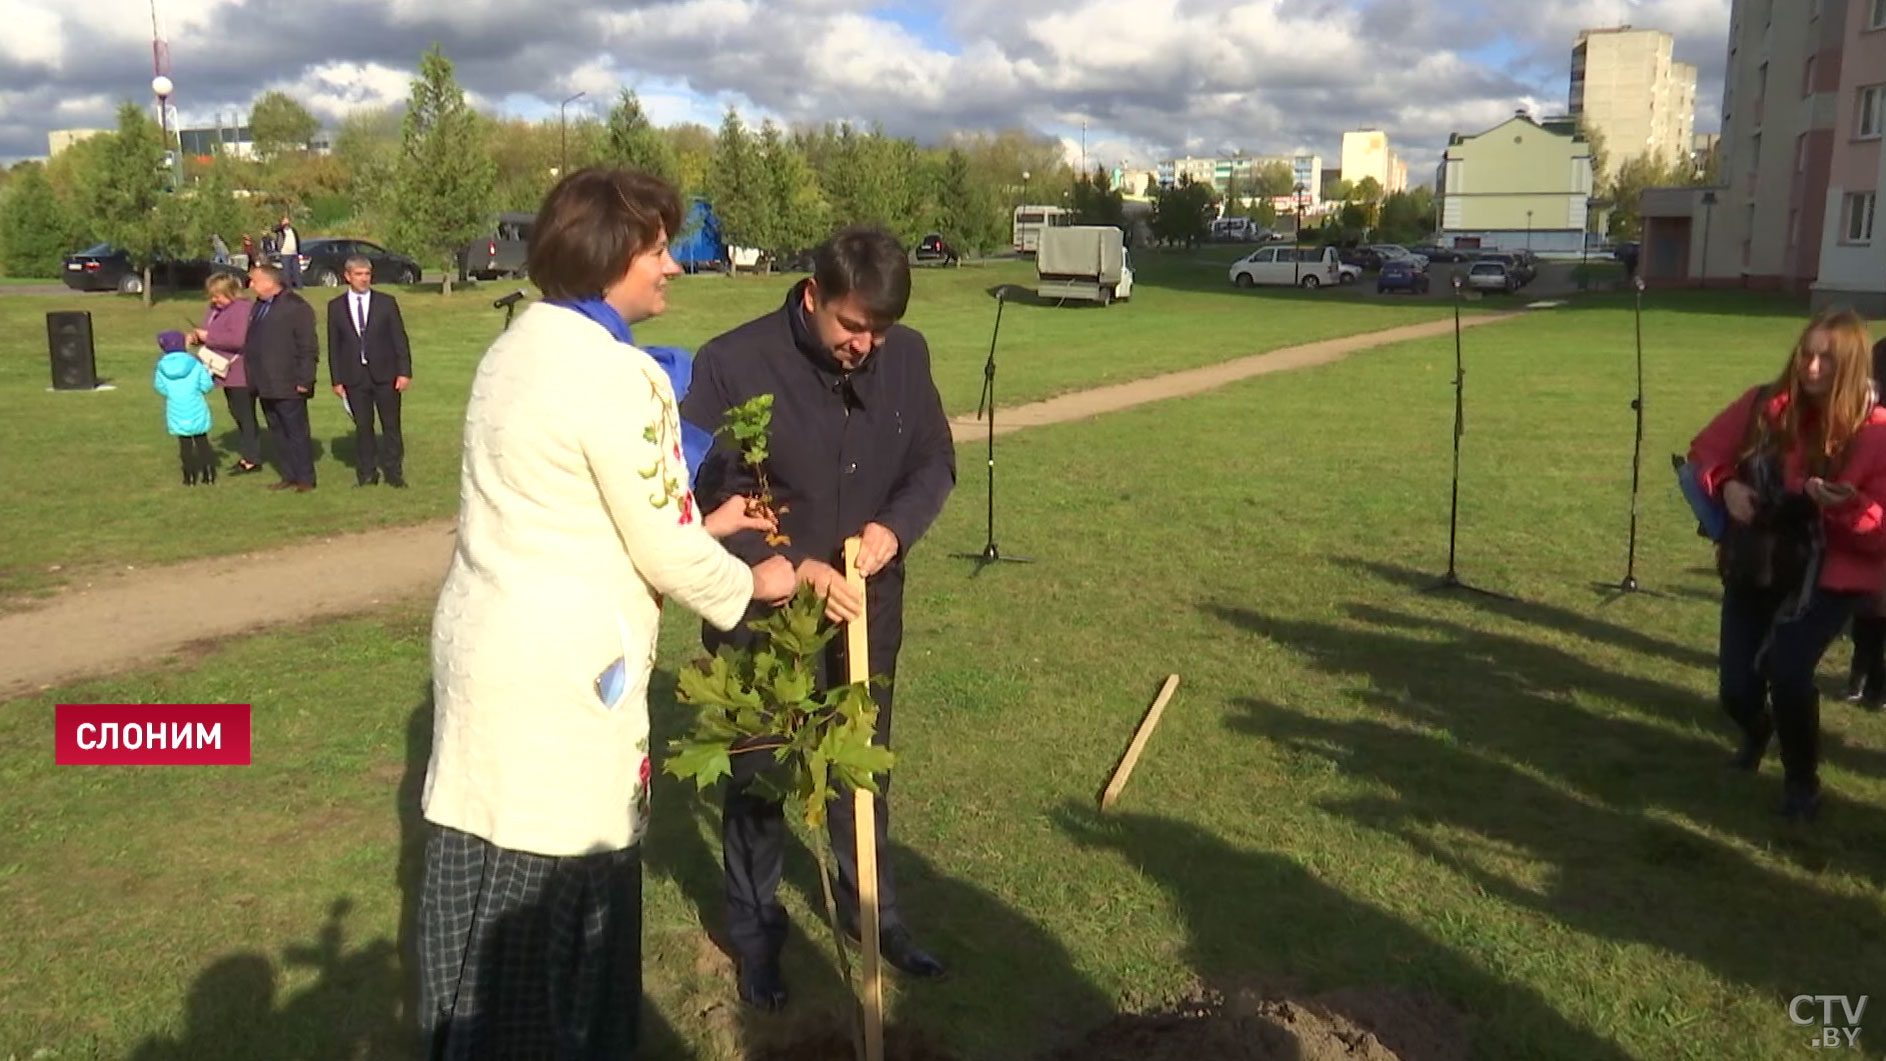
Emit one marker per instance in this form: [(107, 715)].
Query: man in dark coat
[(859, 447), (370, 364), (281, 353)]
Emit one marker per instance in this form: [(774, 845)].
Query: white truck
[(1088, 262)]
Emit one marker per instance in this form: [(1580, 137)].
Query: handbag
[(1779, 549), (215, 362)]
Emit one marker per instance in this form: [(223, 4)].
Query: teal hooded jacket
[(183, 381)]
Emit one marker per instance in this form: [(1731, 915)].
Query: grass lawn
[(1519, 809), (92, 479)]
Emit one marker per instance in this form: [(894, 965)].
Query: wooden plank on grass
[(864, 807), (1140, 738)]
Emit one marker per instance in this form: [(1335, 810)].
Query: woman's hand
[(1828, 495), (731, 518), (1739, 499), (774, 580)]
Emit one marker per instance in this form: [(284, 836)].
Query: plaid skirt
[(526, 956)]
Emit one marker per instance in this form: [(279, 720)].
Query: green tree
[(1096, 202), (693, 147), (1182, 213), (800, 216), (129, 197), (1276, 178), (524, 156), (1341, 191), (214, 210), (445, 173), (368, 145), (634, 142), (1600, 154), (1633, 176), (967, 215), (737, 187), (33, 225), (280, 125)]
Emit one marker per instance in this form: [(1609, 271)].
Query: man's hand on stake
[(841, 602), (877, 546)]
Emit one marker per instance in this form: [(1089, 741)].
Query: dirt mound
[(1244, 1024)]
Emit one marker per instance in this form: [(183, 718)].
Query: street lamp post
[(163, 87), (563, 146), (1296, 254), (1709, 208), (1529, 231)]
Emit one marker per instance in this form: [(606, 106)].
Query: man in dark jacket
[(281, 353), (370, 363), (859, 446)]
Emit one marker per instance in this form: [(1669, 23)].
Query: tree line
[(429, 177)]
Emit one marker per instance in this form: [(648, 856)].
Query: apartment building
[(1627, 85), (1365, 153), (1852, 265), (1244, 169), (1804, 104)]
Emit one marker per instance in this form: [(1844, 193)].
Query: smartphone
[(611, 682)]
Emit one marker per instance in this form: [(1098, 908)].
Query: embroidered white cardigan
[(574, 520)]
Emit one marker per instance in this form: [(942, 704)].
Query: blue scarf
[(677, 362)]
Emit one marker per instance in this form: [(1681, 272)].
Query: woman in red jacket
[(1800, 465)]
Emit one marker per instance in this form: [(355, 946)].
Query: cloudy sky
[(1150, 78)]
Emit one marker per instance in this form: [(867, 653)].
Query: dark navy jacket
[(845, 449)]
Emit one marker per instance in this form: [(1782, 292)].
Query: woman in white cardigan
[(575, 522)]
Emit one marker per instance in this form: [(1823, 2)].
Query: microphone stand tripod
[(1451, 580), (990, 554), (1629, 584)]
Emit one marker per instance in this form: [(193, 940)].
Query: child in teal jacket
[(183, 381)]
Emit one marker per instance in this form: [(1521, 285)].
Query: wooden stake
[(1140, 738), (864, 807)]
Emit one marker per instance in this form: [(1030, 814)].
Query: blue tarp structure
[(699, 245)]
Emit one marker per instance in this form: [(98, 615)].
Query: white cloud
[(1150, 77)]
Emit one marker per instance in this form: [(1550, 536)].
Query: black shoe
[(209, 476), (1754, 745), (244, 468), (1800, 803), (901, 951), (375, 481), (396, 480), (1856, 686), (761, 986)]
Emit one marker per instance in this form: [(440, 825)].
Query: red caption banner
[(152, 735)]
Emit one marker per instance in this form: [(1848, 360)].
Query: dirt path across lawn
[(121, 619)]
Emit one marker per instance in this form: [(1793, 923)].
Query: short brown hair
[(868, 262), (224, 284), (273, 271), (592, 224)]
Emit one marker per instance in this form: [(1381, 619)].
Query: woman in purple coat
[(224, 329)]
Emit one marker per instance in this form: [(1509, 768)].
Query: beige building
[(1627, 85), (60, 139), (1365, 153), (1521, 185)]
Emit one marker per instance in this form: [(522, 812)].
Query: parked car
[(1401, 275), (1490, 274), (1436, 253), (324, 262), (1515, 264), (1366, 258), (500, 254), (933, 248), (1347, 272), (1392, 251), (1308, 267), (102, 267)]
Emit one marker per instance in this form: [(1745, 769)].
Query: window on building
[(1870, 114), (1800, 153), (1807, 77), (1860, 217), (1876, 16)]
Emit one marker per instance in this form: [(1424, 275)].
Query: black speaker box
[(74, 360)]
